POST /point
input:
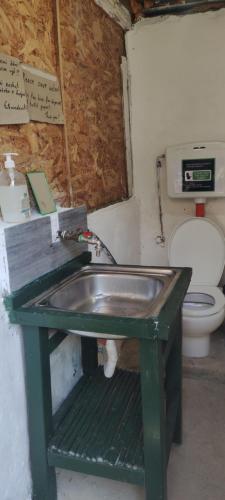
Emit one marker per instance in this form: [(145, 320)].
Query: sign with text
[(13, 101), (43, 96)]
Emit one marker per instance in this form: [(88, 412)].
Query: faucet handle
[(87, 234)]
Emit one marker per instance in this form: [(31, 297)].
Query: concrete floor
[(196, 469), (212, 367)]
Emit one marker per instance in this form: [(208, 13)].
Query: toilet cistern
[(198, 171)]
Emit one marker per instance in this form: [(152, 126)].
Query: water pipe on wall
[(200, 207), (160, 239)]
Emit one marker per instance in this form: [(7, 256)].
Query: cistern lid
[(198, 243)]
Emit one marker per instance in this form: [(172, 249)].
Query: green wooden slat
[(79, 425), (61, 413), (133, 476), (129, 427), (101, 399), (138, 449), (83, 388), (112, 418), (94, 429), (118, 420), (134, 451)]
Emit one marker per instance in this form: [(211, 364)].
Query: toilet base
[(196, 347)]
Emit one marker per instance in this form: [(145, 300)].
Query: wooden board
[(13, 102), (27, 32), (43, 95), (92, 45)]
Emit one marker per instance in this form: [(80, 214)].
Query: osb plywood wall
[(27, 32), (92, 45)]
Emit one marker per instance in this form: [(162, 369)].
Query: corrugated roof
[(150, 8)]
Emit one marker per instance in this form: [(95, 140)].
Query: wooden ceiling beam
[(150, 8), (117, 11)]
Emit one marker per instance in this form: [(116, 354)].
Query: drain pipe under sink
[(112, 356), (110, 345), (81, 236)]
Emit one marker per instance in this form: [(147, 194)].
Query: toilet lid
[(198, 243)]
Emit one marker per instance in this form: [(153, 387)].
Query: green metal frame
[(158, 414)]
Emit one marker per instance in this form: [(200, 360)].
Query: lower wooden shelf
[(99, 428)]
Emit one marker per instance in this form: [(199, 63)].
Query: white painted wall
[(15, 481), (118, 226), (177, 72)]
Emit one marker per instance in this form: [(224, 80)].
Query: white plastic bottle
[(14, 197)]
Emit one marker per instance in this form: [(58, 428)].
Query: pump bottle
[(14, 198)]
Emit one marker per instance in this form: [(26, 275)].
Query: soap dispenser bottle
[(14, 198)]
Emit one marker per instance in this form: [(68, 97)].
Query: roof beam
[(116, 11)]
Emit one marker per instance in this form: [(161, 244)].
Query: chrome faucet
[(81, 236)]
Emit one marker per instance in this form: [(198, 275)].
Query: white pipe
[(200, 200), (112, 358)]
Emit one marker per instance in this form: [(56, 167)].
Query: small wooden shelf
[(100, 428)]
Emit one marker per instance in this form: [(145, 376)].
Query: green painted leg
[(154, 419), (89, 351), (177, 438), (174, 386), (39, 403)]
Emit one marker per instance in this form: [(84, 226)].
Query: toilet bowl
[(199, 243), (203, 312)]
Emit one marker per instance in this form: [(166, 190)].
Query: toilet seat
[(211, 292)]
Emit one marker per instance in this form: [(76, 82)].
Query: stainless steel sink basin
[(120, 291)]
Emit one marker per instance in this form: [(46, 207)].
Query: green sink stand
[(159, 429), (144, 410)]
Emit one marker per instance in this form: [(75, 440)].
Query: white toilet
[(199, 243)]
